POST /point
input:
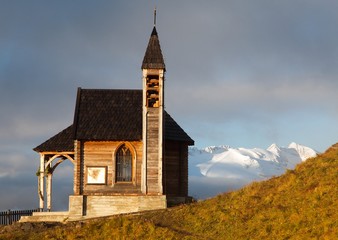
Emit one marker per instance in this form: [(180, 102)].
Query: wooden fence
[(8, 217)]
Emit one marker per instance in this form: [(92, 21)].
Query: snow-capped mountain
[(213, 170)]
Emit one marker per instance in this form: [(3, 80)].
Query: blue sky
[(239, 73)]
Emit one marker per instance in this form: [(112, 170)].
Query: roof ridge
[(109, 89)]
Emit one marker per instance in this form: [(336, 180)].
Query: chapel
[(129, 154)]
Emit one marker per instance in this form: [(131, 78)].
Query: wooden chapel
[(129, 154)]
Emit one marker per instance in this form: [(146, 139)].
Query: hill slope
[(301, 204)]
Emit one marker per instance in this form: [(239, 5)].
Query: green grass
[(301, 204)]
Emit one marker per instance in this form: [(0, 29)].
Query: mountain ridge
[(211, 166)]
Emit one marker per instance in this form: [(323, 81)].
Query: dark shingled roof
[(174, 132), (108, 115), (61, 142), (153, 58), (103, 114)]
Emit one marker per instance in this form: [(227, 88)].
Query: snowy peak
[(272, 161), (274, 148), (241, 166), (303, 151), (214, 149)]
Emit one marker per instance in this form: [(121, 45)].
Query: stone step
[(46, 217)]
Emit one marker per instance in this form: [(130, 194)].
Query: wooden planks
[(176, 169), (153, 151), (102, 154)]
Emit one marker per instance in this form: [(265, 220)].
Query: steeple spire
[(153, 58)]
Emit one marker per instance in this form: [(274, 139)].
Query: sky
[(240, 73)]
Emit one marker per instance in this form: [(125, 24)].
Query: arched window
[(123, 164)]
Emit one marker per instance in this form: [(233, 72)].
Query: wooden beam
[(55, 153), (41, 181), (49, 191)]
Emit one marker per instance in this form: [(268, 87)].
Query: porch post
[(41, 181), (49, 191)]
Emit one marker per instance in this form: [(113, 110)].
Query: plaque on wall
[(96, 175)]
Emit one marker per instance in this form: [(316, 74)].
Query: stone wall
[(98, 206)]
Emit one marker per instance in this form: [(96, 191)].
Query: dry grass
[(301, 204)]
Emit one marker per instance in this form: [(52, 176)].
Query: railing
[(10, 216)]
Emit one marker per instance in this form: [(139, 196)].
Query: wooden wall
[(176, 169), (152, 151), (77, 168), (102, 154)]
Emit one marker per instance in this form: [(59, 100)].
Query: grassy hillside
[(301, 204)]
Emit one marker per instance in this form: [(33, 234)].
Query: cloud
[(238, 73), (19, 181), (225, 101)]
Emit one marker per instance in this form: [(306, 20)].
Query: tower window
[(123, 164), (152, 91)]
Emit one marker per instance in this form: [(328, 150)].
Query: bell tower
[(153, 69)]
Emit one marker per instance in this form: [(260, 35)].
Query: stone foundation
[(83, 207), (46, 217), (98, 206)]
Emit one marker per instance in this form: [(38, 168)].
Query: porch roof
[(61, 142)]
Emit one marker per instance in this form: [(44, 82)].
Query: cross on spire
[(155, 16)]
